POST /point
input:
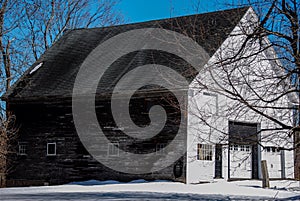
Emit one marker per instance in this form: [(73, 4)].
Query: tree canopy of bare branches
[(27, 30), (258, 73)]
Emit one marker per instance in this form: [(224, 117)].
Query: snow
[(157, 190), (94, 182)]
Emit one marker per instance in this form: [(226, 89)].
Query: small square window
[(22, 148), (236, 147), (204, 152), (211, 103), (242, 147), (51, 149), (273, 149), (113, 149), (267, 149), (160, 148), (247, 148)]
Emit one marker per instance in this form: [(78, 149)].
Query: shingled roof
[(61, 63)]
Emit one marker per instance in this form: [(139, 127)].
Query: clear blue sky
[(145, 10)]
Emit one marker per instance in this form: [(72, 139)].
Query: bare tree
[(46, 21), (27, 30), (8, 136), (9, 20), (10, 16)]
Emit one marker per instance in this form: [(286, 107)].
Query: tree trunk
[(2, 180)]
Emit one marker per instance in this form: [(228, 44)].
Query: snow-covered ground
[(158, 190)]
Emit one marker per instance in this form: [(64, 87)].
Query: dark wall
[(52, 121)]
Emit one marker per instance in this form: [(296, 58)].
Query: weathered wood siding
[(52, 121)]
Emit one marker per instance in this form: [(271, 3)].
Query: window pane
[(51, 149), (22, 148), (204, 152), (247, 148), (236, 148), (242, 148), (274, 149), (160, 148), (210, 103), (113, 149)]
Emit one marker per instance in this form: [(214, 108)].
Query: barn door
[(218, 161), (243, 153), (274, 156), (240, 161)]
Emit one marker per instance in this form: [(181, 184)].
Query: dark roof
[(62, 61)]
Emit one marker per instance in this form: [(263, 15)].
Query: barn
[(61, 107)]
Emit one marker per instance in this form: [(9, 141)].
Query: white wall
[(210, 109)]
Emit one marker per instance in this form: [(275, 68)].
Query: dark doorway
[(218, 161), (255, 161), (241, 133)]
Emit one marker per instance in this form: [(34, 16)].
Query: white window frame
[(51, 143), (242, 147), (160, 148), (216, 101), (205, 152), (112, 147), (22, 148), (247, 148), (235, 147), (272, 149)]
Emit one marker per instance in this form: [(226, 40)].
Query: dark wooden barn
[(49, 149)]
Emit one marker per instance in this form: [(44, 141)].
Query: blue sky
[(145, 10)]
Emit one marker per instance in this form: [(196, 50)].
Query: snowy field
[(158, 190)]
